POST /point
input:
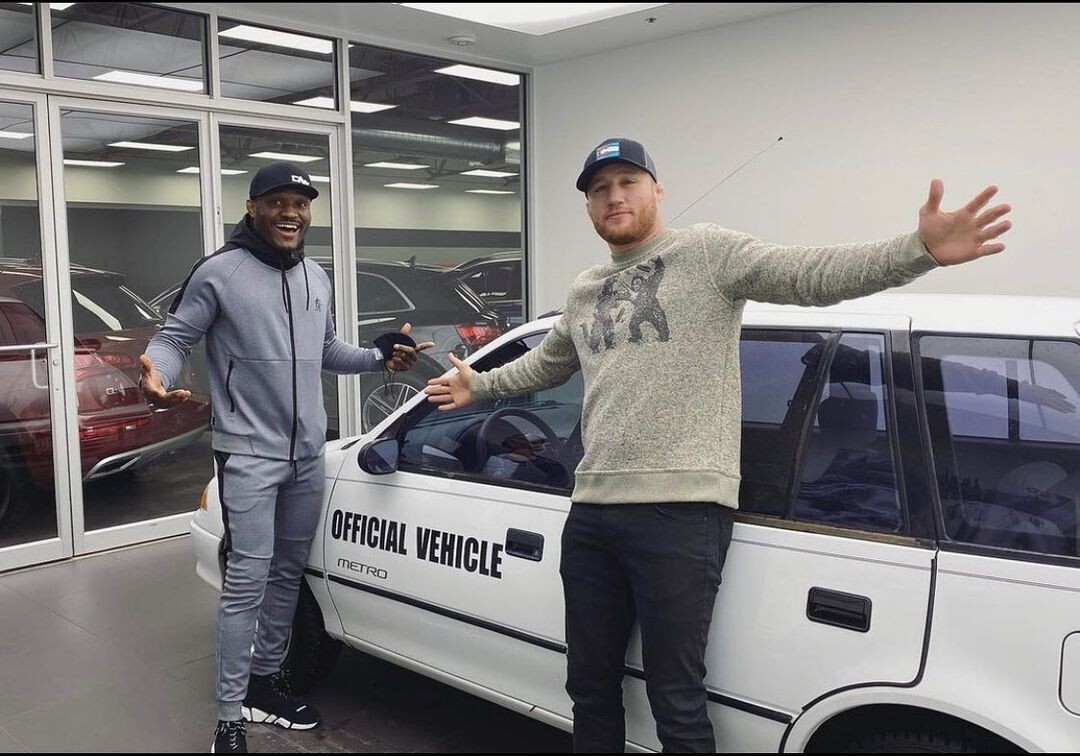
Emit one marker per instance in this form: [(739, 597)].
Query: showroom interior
[(444, 152)]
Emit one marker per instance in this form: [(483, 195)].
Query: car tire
[(914, 741), (382, 394), (312, 653), (14, 488)]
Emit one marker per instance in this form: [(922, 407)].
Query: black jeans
[(659, 563)]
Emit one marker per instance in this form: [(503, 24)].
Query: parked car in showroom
[(904, 574), (497, 279), (391, 294), (118, 430)]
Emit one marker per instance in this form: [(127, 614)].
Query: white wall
[(872, 101)]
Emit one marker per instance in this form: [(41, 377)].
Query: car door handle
[(838, 609), (525, 545)]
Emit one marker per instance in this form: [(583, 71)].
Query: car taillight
[(106, 430), (475, 336)]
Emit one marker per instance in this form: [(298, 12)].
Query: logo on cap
[(300, 180), (608, 150)]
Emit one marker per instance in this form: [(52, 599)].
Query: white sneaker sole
[(251, 714)]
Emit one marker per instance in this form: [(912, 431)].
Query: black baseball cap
[(276, 176), (615, 150)]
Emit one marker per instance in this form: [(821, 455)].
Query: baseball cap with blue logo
[(615, 150), (277, 176)]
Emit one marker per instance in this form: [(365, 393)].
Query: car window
[(847, 477), (529, 441), (780, 372), (98, 303), (20, 325), (378, 295), (496, 281), (1004, 417)]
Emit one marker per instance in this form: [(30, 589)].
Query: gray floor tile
[(8, 744)]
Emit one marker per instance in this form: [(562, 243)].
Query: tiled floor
[(114, 653)]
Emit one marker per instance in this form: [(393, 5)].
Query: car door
[(452, 561), (1004, 420), (828, 579)]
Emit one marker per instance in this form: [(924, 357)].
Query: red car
[(118, 430)]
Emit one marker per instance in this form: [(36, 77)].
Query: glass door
[(35, 512), (132, 222)]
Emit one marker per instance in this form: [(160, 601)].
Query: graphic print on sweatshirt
[(635, 292)]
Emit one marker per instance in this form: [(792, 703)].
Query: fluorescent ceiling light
[(91, 163), (487, 191), (279, 39), (406, 185), (55, 6), (224, 171), (481, 74), (397, 166), (285, 156), (147, 80), (487, 123), (320, 179), (533, 18), (356, 106), (151, 146), (488, 174), (14, 135)]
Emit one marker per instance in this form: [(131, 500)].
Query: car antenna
[(724, 180)]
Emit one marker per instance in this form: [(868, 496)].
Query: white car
[(905, 568)]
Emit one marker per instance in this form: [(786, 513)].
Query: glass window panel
[(27, 488), (130, 43), (18, 38), (276, 65), (438, 203), (134, 227)]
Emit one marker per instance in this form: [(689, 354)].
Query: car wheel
[(385, 394), (14, 492), (914, 741), (312, 652)]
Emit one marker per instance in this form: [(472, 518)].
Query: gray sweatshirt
[(655, 334), (268, 335)]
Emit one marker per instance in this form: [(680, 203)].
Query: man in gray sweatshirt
[(656, 489), (265, 312)]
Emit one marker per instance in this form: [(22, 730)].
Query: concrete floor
[(115, 653)]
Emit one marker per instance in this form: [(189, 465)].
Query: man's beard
[(265, 229), (641, 227)]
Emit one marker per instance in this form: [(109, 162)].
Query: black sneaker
[(268, 701), (230, 737)]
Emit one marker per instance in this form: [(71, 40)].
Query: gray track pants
[(270, 513)]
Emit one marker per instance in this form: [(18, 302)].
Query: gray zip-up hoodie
[(266, 318)]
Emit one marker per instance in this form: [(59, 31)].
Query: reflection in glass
[(130, 43), (18, 38), (438, 208), (273, 65), (27, 503), (134, 228)]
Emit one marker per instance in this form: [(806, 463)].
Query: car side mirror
[(380, 457)]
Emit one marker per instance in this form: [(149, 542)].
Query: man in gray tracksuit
[(265, 312)]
